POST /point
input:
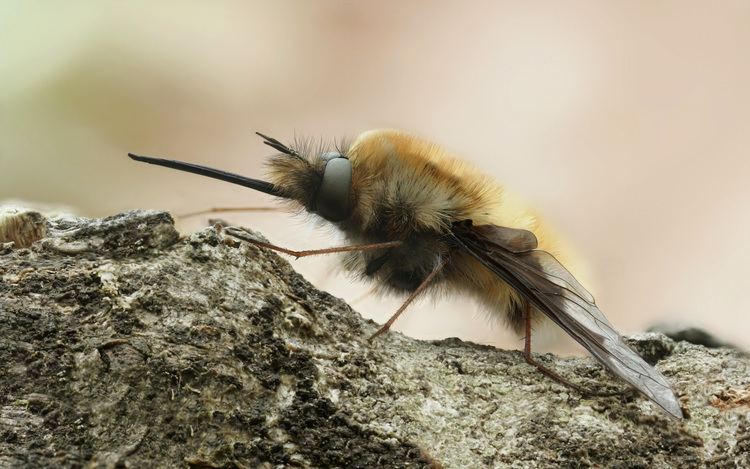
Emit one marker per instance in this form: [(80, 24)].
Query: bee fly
[(417, 219)]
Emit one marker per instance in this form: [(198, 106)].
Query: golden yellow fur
[(400, 167), (410, 190)]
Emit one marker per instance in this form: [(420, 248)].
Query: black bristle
[(277, 145)]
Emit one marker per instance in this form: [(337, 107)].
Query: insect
[(416, 218), (23, 227)]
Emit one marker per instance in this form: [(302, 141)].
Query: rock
[(694, 335), (123, 344)]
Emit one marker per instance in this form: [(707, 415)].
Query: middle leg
[(425, 283)]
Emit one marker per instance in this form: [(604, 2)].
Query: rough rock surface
[(123, 344)]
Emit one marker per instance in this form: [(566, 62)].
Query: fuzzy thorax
[(407, 189)]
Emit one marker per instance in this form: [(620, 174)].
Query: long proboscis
[(257, 184)]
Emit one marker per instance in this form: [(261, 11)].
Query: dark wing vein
[(547, 285)]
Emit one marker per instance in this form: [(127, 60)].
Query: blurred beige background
[(626, 123)]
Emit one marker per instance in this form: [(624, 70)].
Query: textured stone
[(124, 344)]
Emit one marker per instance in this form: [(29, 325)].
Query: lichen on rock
[(125, 344)]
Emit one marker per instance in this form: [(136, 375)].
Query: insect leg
[(228, 209), (530, 360), (313, 252), (363, 296), (411, 298)]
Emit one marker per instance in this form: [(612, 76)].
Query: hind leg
[(425, 283), (530, 359)]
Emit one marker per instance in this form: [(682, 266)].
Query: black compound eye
[(333, 198)]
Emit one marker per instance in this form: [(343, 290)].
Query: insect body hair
[(407, 189)]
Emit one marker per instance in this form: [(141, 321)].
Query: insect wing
[(544, 264), (512, 239), (546, 284)]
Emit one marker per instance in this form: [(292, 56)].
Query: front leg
[(312, 252)]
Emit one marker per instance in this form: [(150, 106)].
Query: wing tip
[(672, 407)]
